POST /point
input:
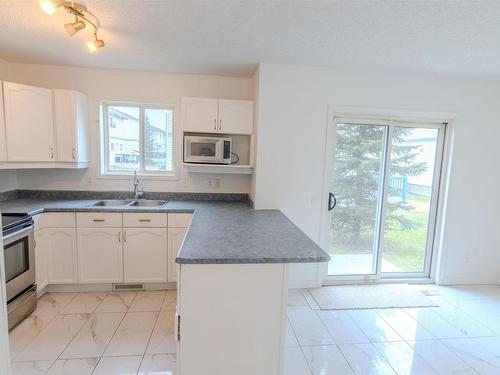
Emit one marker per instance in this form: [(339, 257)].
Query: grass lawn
[(404, 248)]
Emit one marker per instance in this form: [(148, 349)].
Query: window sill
[(146, 176)]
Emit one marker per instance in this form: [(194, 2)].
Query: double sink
[(129, 203)]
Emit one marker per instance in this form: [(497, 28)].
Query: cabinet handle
[(144, 220), (119, 236), (52, 152), (124, 236), (215, 124), (220, 124), (99, 220), (74, 153)]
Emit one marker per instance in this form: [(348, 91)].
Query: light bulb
[(94, 44), (74, 27), (50, 6)]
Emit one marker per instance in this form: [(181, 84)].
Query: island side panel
[(232, 318)]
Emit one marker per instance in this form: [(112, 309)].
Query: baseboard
[(469, 281), (103, 287)]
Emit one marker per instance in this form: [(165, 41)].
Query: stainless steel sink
[(112, 203), (148, 203)]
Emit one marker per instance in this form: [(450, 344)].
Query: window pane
[(158, 139), (124, 135)]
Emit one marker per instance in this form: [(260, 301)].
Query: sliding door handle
[(332, 201)]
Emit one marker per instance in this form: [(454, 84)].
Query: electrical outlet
[(467, 258), (217, 183), (89, 181), (210, 182)]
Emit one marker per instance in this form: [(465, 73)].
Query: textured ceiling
[(231, 37)]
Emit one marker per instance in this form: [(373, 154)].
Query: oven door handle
[(8, 239)]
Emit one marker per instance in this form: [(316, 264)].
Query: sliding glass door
[(383, 198)]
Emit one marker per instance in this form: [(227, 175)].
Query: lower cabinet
[(55, 256), (145, 254), (100, 255), (175, 238)]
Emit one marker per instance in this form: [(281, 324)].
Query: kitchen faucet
[(137, 193)]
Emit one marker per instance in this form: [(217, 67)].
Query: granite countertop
[(219, 233)]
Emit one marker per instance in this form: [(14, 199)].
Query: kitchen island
[(231, 281)]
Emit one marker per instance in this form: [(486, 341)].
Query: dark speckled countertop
[(220, 232)]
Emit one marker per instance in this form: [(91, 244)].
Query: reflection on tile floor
[(461, 336), (133, 333)]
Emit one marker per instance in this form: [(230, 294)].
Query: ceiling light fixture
[(82, 18), (73, 27), (95, 43)]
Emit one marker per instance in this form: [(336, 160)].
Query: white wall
[(8, 179), (102, 84), (293, 106)]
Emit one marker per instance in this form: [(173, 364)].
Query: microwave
[(207, 149)]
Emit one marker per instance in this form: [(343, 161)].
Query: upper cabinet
[(200, 115), (29, 126), (236, 116), (217, 116), (71, 126), (43, 128)]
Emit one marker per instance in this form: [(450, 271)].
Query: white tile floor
[(132, 333), (97, 333), (461, 336)]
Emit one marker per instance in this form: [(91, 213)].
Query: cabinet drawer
[(179, 220), (146, 219), (99, 219), (54, 220)]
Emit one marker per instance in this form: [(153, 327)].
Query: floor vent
[(118, 287)]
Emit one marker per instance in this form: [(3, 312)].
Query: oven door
[(203, 150), (19, 260)]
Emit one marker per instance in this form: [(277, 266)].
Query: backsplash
[(74, 195)]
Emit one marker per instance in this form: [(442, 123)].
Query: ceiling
[(232, 37)]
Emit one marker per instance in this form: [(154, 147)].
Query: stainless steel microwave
[(207, 149)]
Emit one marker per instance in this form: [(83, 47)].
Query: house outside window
[(137, 137)]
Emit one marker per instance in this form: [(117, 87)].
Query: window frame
[(105, 172)]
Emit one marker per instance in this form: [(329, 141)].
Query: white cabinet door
[(3, 143), (71, 126), (42, 246), (145, 254), (200, 115), (100, 255), (61, 257), (235, 116), (28, 123), (175, 238)]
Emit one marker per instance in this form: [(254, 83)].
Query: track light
[(95, 43), (82, 18), (50, 6), (73, 27)]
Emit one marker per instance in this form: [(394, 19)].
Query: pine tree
[(358, 166)]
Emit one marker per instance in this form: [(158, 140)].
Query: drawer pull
[(99, 220), (144, 220)]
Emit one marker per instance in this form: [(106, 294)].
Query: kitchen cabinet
[(29, 126), (61, 255), (235, 116), (226, 116), (145, 254), (100, 255), (200, 115), (42, 244), (3, 143), (71, 124), (175, 238)]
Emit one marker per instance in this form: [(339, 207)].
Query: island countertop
[(219, 233)]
